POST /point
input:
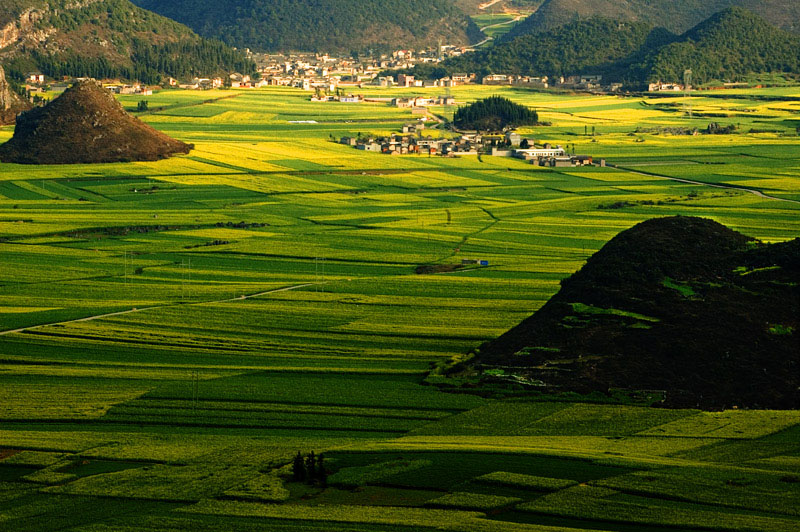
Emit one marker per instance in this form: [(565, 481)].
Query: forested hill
[(322, 25), (728, 46), (597, 45), (680, 304), (106, 38), (677, 16)]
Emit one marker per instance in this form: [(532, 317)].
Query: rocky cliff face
[(10, 103)]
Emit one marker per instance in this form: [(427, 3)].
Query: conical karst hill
[(679, 304), (10, 103), (85, 125)]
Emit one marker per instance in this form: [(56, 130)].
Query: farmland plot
[(173, 333)]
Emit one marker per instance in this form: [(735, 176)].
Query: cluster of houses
[(510, 144), (36, 83), (312, 71), (332, 74), (136, 88), (665, 87)]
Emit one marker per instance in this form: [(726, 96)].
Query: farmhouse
[(538, 153), (496, 79), (659, 87), (413, 128), (513, 138)]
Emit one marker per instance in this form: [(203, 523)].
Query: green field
[(173, 333), (496, 25)]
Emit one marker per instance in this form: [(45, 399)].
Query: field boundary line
[(184, 105), (703, 183), (166, 305)]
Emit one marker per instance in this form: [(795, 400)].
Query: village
[(329, 76), (509, 144), (330, 73)]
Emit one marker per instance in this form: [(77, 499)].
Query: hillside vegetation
[(680, 304), (728, 46), (677, 16), (585, 45), (322, 25), (106, 38)]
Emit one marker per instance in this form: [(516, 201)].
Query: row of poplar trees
[(309, 469)]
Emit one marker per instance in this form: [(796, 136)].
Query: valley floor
[(259, 297)]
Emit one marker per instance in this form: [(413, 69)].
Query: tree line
[(149, 63)]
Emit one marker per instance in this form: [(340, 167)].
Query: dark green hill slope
[(321, 25), (597, 45), (729, 45), (677, 16), (680, 304), (105, 38)]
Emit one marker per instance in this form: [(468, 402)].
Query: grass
[(182, 414)]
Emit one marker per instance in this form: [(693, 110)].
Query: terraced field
[(173, 333)]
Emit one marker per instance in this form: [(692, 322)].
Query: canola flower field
[(173, 333)]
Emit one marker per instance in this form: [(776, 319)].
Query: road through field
[(131, 311), (487, 39), (702, 183)]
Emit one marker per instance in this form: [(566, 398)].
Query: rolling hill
[(105, 38), (322, 25), (680, 304), (582, 46), (677, 16), (730, 45)]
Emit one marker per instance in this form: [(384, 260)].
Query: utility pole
[(687, 91)]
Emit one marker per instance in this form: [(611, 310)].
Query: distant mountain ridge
[(105, 38), (322, 25), (677, 16), (728, 46)]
